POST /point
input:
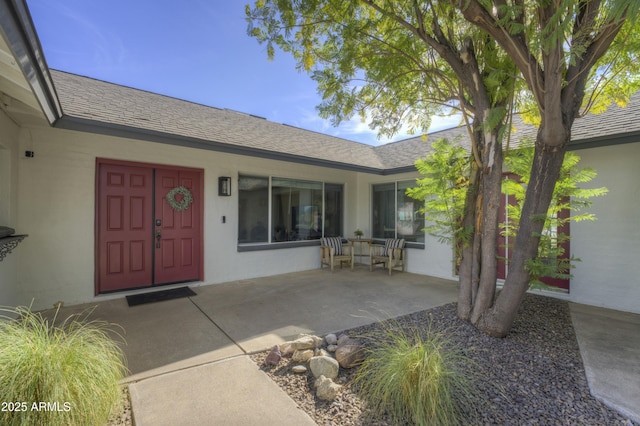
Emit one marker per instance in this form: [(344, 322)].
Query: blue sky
[(196, 50)]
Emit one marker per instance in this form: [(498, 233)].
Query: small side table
[(359, 253)]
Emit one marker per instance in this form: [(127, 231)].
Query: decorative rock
[(326, 389), (319, 380), (286, 348), (324, 366), (321, 352), (350, 354), (303, 355), (331, 339), (306, 341), (299, 369), (274, 356), (342, 339), (332, 348)]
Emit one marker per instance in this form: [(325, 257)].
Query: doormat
[(160, 296)]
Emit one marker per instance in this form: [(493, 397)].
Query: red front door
[(177, 231), (141, 240)]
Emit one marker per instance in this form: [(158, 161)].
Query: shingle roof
[(615, 125), (113, 105), (110, 106)]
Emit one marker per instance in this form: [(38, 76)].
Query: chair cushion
[(333, 242), (392, 243)]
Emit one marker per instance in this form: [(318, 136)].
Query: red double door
[(141, 239)]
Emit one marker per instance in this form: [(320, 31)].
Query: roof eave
[(607, 140), (98, 127), (20, 34)]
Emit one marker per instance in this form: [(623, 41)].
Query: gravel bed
[(534, 376), (124, 416)]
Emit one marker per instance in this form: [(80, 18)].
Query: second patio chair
[(392, 254)]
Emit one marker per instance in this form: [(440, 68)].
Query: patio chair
[(392, 254), (334, 251)]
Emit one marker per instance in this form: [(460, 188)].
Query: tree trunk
[(558, 86), (478, 270), (492, 180), (547, 163), (467, 279)]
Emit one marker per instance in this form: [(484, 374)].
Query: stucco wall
[(54, 195), (9, 134), (57, 195), (609, 273)]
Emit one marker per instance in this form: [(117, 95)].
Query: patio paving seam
[(217, 326), (136, 378)]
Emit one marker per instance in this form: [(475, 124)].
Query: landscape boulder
[(324, 366), (350, 353), (326, 389), (342, 339), (274, 356), (303, 355), (299, 369), (331, 339), (306, 341)]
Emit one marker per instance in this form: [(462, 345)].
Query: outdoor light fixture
[(224, 186)]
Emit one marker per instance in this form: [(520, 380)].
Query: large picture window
[(395, 214), (296, 210), (288, 210)]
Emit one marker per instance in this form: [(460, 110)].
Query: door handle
[(158, 237)]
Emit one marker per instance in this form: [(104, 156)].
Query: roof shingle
[(95, 101)]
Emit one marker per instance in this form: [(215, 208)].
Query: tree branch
[(514, 45)]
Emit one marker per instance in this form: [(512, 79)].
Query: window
[(333, 210), (298, 210), (410, 221), (253, 214), (396, 215), (384, 211)]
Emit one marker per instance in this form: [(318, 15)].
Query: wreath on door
[(183, 204)]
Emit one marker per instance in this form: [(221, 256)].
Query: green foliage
[(74, 365), (387, 62), (443, 187), (569, 196), (415, 378), (575, 30), (616, 76)]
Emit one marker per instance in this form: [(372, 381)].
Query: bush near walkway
[(413, 377), (66, 374)]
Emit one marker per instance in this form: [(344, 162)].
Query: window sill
[(408, 244), (276, 246), (247, 247)]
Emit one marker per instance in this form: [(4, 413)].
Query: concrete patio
[(188, 357)]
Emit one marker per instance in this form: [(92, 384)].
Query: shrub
[(413, 379), (65, 374)]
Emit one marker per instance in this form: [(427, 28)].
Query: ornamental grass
[(414, 378), (64, 374)]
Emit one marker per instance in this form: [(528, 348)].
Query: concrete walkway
[(188, 357), (610, 347)]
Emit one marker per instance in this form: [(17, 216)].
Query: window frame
[(395, 183), (270, 244)]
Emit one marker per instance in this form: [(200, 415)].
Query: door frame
[(117, 162)]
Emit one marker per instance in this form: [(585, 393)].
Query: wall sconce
[(224, 186)]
